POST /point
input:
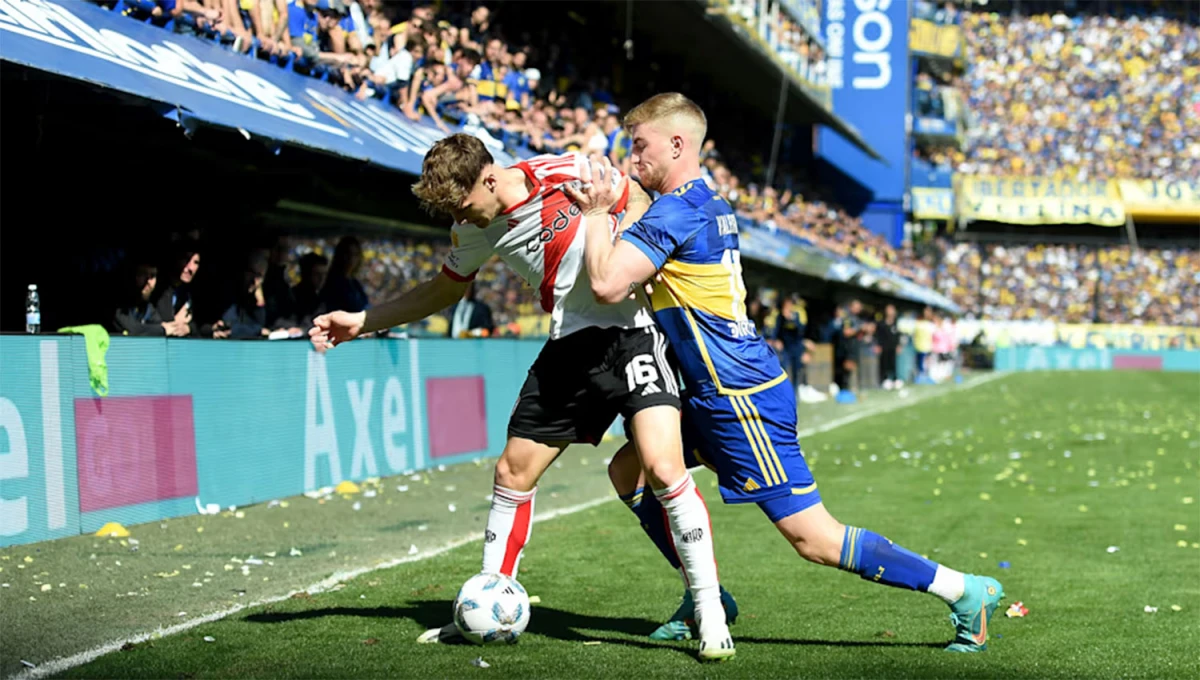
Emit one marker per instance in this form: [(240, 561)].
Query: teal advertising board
[(1094, 359), (187, 423)]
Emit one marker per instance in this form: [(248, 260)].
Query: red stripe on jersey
[(559, 178), (458, 277), (551, 163), (556, 207), (623, 201), (537, 187)]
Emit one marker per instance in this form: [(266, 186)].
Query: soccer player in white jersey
[(601, 359)]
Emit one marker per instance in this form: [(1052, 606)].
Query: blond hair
[(450, 171), (671, 106)]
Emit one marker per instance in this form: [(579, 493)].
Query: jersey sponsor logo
[(559, 223), (742, 329), (694, 536), (727, 225)]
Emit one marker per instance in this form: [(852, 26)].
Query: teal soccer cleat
[(972, 613), (681, 623)]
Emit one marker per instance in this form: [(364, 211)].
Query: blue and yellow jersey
[(691, 235)]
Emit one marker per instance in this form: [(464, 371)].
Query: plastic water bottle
[(33, 310)]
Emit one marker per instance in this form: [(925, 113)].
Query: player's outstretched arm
[(436, 294), (616, 270)]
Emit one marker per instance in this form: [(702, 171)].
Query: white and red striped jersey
[(542, 239)]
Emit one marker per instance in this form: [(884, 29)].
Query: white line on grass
[(64, 663), (896, 405)]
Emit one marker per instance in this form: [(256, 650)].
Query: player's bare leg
[(510, 520), (629, 481), (656, 439)]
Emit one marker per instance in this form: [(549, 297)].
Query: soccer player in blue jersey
[(739, 412)]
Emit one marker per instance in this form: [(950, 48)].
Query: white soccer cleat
[(716, 644), (446, 633)]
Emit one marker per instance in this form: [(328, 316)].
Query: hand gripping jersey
[(542, 239), (691, 235)]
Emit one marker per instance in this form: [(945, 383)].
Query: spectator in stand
[(394, 71), (434, 85), (317, 37), (281, 312), (137, 315), (845, 354), (343, 290), (888, 335), (173, 296), (187, 13), (471, 317), (246, 318), (314, 269), (792, 345), (475, 33), (487, 77), (923, 341), (517, 82)]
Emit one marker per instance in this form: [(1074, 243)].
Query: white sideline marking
[(898, 404), (65, 663)]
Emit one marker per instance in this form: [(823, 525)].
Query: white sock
[(948, 584), (691, 532), (509, 523)]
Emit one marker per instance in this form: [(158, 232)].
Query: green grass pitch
[(1042, 472)]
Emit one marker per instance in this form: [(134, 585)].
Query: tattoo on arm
[(637, 195)]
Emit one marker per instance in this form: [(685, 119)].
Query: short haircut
[(471, 56), (450, 171), (310, 260), (669, 105)]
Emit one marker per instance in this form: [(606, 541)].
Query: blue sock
[(875, 558), (649, 512)]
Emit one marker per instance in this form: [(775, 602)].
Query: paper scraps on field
[(1017, 610)]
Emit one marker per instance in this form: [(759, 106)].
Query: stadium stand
[(461, 70), (1073, 283), (1105, 93), (1084, 97)]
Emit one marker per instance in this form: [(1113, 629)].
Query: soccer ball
[(491, 608)]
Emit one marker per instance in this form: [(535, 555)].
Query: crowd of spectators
[(792, 31), (809, 219), (1029, 80), (1083, 97), (1072, 283)]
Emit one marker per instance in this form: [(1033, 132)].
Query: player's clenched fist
[(335, 328)]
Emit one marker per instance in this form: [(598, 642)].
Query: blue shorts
[(751, 443)]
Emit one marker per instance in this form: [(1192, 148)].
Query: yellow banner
[(930, 38), (932, 204), (1036, 200), (1124, 336), (1155, 198)]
